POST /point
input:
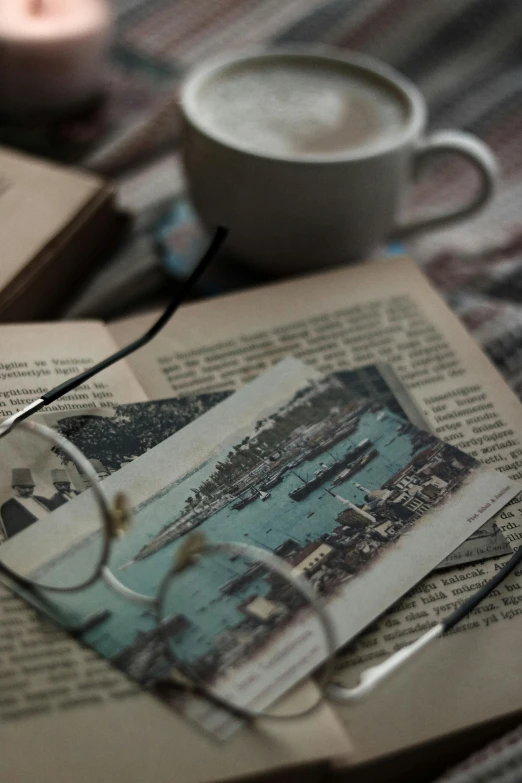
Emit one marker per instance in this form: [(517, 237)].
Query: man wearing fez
[(62, 484), (25, 508)]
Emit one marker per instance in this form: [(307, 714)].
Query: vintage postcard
[(116, 434), (346, 492)]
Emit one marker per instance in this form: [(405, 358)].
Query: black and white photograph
[(109, 437)]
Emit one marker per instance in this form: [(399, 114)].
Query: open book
[(54, 694)]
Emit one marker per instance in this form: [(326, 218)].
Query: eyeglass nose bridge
[(120, 518)]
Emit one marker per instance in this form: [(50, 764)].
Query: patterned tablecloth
[(500, 762)]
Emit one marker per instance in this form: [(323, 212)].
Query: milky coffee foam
[(299, 107)]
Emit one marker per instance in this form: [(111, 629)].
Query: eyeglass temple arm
[(371, 677), (54, 394)]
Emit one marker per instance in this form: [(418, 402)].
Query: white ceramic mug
[(288, 213)]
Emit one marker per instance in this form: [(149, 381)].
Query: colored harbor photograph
[(346, 492)]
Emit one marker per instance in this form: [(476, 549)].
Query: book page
[(380, 312), (40, 668), (82, 719), (36, 357)]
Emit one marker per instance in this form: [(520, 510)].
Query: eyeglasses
[(113, 518), (30, 441)]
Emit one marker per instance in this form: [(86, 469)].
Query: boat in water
[(321, 475), (354, 468), (245, 500), (273, 480), (353, 454), (329, 471), (295, 462)]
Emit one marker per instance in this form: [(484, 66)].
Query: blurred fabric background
[(464, 55)]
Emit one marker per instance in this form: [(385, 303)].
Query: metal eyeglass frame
[(113, 518)]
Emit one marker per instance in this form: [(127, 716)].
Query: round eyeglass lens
[(46, 538), (244, 628)]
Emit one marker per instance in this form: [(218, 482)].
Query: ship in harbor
[(354, 468), (273, 480), (245, 499), (322, 474), (326, 472), (315, 449)]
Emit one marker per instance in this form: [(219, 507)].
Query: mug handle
[(475, 152)]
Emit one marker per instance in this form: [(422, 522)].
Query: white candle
[(52, 52)]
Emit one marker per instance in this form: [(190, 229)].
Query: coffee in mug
[(287, 108), (306, 155)]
